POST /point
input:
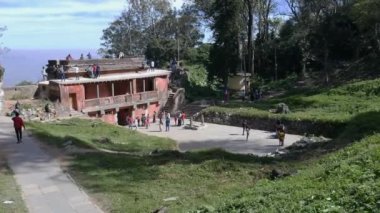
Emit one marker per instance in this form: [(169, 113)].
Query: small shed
[(239, 81)]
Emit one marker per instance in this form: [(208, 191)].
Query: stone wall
[(301, 127)]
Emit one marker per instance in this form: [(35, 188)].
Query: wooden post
[(143, 85), (130, 87), (97, 91), (134, 86), (113, 89)]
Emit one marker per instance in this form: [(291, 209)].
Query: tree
[(226, 27), (2, 51), (366, 14), (129, 33), (176, 33)]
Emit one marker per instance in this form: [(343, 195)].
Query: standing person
[(147, 122), (244, 124), (18, 123), (94, 70), (160, 123), (281, 135), (138, 121), (183, 117), (44, 74), (76, 70), (61, 72), (69, 58), (175, 119), (47, 111), (247, 129), (97, 70), (17, 106), (154, 117), (179, 118), (167, 122), (143, 119), (152, 65)]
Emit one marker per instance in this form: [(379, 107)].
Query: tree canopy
[(254, 36)]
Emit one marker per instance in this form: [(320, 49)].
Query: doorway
[(73, 101), (123, 114)]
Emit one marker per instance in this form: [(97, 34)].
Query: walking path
[(229, 138), (45, 187)]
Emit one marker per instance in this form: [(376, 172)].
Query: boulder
[(282, 108)]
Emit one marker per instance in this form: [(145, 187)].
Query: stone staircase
[(194, 108), (169, 103)]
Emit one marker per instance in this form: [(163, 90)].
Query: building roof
[(114, 77), (129, 63)]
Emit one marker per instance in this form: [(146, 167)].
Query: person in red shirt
[(183, 117), (18, 123)]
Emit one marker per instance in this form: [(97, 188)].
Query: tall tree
[(226, 27), (2, 51), (128, 33)]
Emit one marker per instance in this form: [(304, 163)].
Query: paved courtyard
[(229, 138), (45, 187)]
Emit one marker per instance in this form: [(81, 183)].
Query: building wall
[(162, 83), (236, 82), (78, 90), (105, 89), (122, 87), (110, 117), (90, 91)]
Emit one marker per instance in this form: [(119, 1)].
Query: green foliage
[(285, 84), (332, 105), (199, 55), (224, 53), (197, 84), (88, 133)]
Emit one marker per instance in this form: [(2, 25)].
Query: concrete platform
[(229, 138), (45, 187)]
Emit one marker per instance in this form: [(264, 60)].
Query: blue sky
[(57, 24)]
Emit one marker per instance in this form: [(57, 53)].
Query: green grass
[(332, 105), (346, 181), (141, 183), (9, 191), (92, 134)]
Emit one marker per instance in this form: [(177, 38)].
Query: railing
[(122, 99)]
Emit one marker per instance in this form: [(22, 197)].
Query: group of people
[(163, 118), (93, 71), (280, 131), (69, 57)]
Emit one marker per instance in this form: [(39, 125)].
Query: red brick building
[(123, 88)]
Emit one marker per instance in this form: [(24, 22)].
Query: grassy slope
[(140, 184), (214, 181), (337, 105), (346, 181), (87, 133), (9, 191)]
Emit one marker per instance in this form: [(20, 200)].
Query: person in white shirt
[(152, 65), (44, 74), (76, 70)]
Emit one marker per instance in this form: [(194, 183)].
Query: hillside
[(338, 176), (347, 179)]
